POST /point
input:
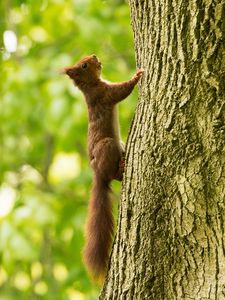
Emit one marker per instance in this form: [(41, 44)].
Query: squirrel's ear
[(94, 57)]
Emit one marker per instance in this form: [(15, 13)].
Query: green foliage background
[(45, 177)]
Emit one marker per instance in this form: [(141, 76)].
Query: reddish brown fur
[(106, 154), (99, 229)]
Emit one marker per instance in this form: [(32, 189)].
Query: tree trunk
[(170, 241)]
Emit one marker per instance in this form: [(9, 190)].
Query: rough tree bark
[(170, 241)]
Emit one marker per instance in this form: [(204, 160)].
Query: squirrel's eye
[(84, 66)]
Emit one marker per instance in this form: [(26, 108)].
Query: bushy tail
[(99, 229)]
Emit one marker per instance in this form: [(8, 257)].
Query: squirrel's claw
[(140, 72)]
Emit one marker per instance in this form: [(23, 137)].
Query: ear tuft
[(94, 57)]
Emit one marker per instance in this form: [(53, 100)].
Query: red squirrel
[(106, 154)]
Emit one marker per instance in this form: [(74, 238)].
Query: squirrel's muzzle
[(71, 72)]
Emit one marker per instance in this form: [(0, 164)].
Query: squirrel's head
[(86, 71)]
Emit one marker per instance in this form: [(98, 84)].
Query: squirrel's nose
[(71, 72)]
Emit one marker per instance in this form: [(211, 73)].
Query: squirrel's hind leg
[(106, 159), (119, 173)]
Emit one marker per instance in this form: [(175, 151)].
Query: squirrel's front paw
[(138, 74)]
